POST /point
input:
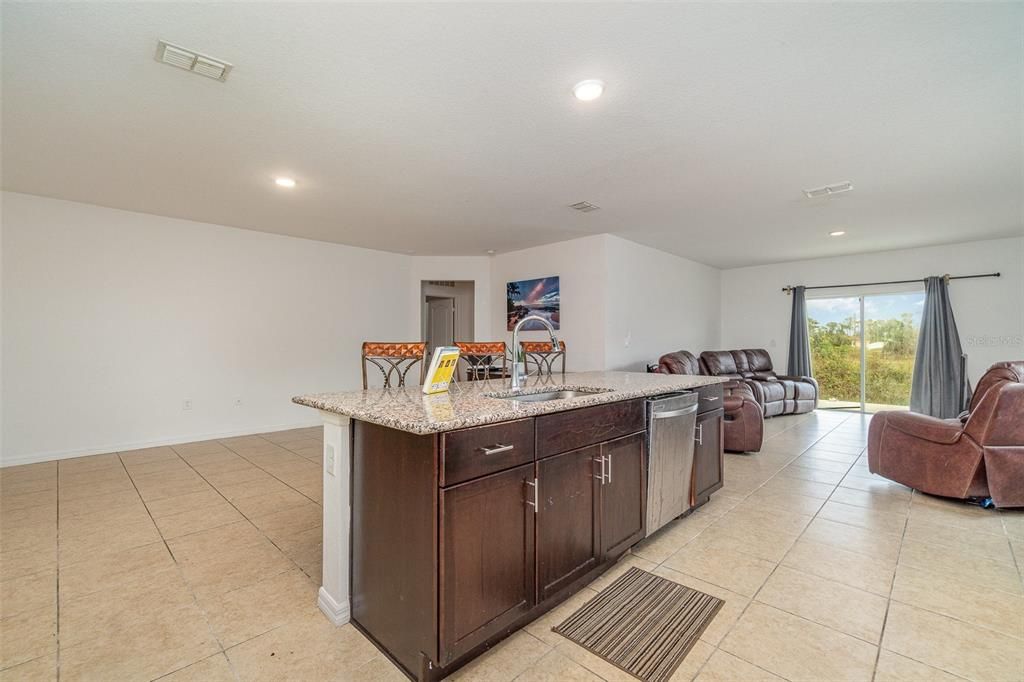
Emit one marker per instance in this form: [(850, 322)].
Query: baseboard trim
[(338, 614), (35, 458)]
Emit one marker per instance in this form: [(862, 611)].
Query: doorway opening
[(863, 348), (446, 312)]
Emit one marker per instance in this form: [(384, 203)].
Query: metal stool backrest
[(477, 358), (541, 355), (394, 360)]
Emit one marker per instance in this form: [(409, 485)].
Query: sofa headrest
[(680, 362), (997, 419), (758, 359), (997, 374), (740, 358), (718, 362)]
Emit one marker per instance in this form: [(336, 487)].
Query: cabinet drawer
[(564, 431), (471, 453), (709, 398)]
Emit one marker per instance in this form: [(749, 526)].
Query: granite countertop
[(473, 403)]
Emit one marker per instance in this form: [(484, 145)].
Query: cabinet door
[(487, 570), (567, 539), (623, 494), (707, 456)]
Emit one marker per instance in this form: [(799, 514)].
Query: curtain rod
[(788, 289)]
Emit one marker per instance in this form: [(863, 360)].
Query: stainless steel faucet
[(515, 384)]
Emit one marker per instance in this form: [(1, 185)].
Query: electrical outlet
[(187, 404), (329, 459), (628, 340)]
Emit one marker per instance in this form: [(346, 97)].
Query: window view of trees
[(835, 357)]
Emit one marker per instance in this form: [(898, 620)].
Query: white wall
[(989, 312), (582, 266), (476, 269), (614, 291), (111, 319), (657, 303)]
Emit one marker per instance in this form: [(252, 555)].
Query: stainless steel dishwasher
[(670, 429)]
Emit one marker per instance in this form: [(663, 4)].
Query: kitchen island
[(456, 518)]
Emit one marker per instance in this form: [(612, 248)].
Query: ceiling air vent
[(183, 58), (828, 190), (584, 207)]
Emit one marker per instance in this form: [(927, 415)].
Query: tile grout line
[(177, 566), (892, 585), (271, 474), (243, 515), (751, 599), (57, 660)]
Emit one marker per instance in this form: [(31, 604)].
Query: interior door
[(440, 322)]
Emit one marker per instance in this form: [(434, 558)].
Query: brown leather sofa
[(744, 421), (777, 394), (980, 455)]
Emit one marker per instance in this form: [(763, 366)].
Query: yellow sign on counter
[(441, 370)]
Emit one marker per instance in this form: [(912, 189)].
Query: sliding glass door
[(862, 349)]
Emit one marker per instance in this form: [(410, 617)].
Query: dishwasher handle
[(690, 409)]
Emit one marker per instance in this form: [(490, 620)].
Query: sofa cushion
[(719, 362), (774, 391), (740, 359), (758, 359), (804, 390)]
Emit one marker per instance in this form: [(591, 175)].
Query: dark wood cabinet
[(487, 558), (567, 521), (708, 456), (622, 494), (462, 537)]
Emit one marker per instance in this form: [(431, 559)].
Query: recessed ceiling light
[(588, 90), (837, 233), (490, 252), (284, 182)]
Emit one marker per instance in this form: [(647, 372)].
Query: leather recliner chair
[(979, 455), (744, 421), (777, 394)]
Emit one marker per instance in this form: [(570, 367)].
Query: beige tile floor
[(201, 562)]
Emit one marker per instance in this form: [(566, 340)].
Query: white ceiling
[(450, 128)]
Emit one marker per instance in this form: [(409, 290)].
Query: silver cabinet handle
[(712, 398), (536, 488), (497, 448), (700, 434), (601, 477), (609, 480)]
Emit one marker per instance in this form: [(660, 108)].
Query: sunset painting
[(533, 297)]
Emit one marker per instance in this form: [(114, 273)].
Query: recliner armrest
[(791, 377), (941, 431)]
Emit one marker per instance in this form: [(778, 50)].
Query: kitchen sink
[(551, 395)]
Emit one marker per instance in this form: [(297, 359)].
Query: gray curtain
[(935, 389), (799, 340)]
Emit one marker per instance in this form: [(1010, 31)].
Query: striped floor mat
[(642, 623)]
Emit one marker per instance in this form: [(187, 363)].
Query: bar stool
[(540, 354), (477, 357), (394, 359)]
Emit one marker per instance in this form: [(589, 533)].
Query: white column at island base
[(333, 598)]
